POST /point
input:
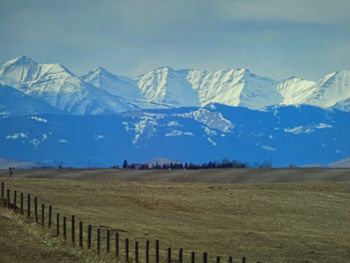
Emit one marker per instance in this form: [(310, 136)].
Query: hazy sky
[(307, 38)]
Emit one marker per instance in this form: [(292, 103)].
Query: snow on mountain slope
[(123, 87), (295, 90), (116, 85), (101, 92), (60, 88), (18, 71), (16, 103), (193, 87), (190, 134), (331, 89), (210, 118), (168, 86), (234, 87), (343, 105)]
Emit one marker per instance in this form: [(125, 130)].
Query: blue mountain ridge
[(299, 135)]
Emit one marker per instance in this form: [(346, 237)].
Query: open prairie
[(272, 215)]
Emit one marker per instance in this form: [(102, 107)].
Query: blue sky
[(306, 38)]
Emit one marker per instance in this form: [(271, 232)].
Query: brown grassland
[(275, 215)]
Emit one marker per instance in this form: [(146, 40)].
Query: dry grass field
[(285, 215), (23, 242)]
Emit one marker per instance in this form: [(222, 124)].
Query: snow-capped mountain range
[(50, 115), (102, 92)]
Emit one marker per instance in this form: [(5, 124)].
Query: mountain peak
[(164, 69), (292, 77), (100, 70), (57, 68), (168, 87), (344, 72), (21, 60), (236, 72), (17, 71), (97, 73), (244, 70)]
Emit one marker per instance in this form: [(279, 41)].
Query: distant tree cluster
[(187, 166)]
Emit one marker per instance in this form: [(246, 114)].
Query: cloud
[(273, 38), (298, 11)]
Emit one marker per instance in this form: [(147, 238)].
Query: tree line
[(222, 164)]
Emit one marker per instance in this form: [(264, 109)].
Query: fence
[(101, 239)]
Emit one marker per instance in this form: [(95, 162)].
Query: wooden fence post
[(28, 205), (89, 236), (205, 257), (127, 250), (117, 245), (98, 241), (230, 260), (21, 205), (169, 255), (64, 228), (217, 259), (8, 199), (73, 229), (36, 209), (2, 190), (81, 234), (181, 255), (58, 224), (157, 251), (136, 252), (42, 214), (14, 200), (107, 242), (50, 215), (147, 251), (193, 257)]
